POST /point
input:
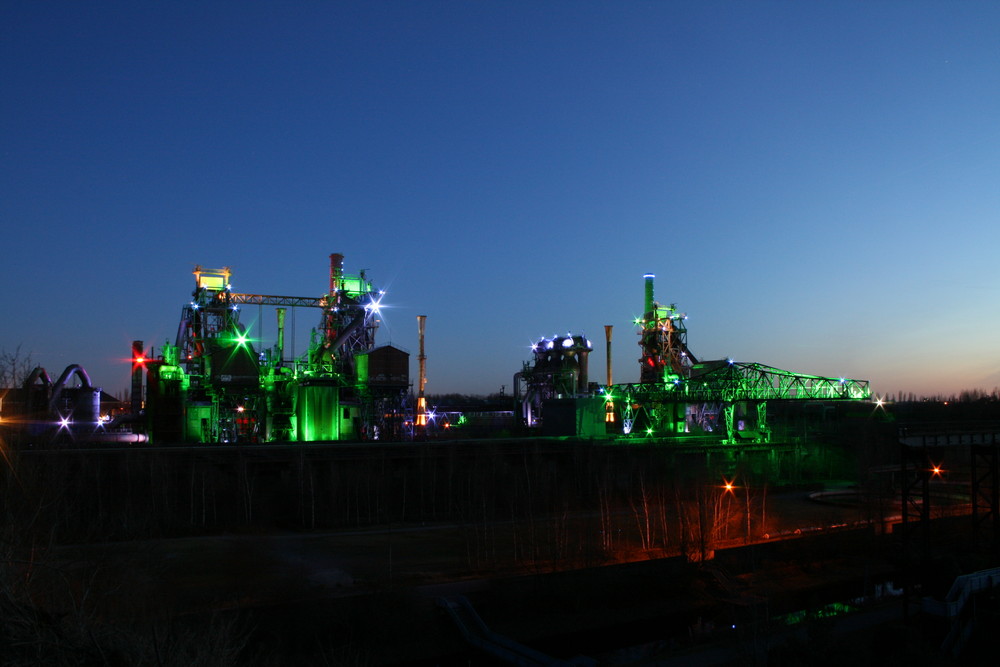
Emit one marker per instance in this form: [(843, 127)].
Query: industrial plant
[(676, 396), (628, 523), (217, 383)]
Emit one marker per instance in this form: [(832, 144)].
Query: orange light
[(936, 470), (728, 485)]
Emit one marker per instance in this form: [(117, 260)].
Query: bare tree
[(15, 367)]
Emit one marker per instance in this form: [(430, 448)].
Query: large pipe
[(106, 438), (38, 374), (57, 388), (607, 335), (341, 338), (35, 404)]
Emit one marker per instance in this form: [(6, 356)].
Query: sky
[(814, 183)]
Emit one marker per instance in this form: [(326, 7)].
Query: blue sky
[(814, 184)]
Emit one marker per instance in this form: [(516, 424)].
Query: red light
[(140, 360)]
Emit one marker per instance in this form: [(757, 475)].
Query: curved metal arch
[(57, 388), (38, 373)]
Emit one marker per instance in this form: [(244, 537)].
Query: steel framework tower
[(663, 339), (227, 390)]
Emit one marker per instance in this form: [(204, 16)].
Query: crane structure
[(217, 383), (677, 394)]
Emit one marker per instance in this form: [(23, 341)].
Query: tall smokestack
[(336, 271), (607, 335), (649, 294), (583, 380), (333, 305), (421, 401), (281, 334), (138, 363)]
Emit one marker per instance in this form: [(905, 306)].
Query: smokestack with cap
[(607, 335), (649, 294)]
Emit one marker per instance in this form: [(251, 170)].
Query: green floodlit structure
[(217, 383), (679, 395)]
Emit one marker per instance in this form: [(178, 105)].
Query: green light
[(831, 610), (241, 339), (649, 431)]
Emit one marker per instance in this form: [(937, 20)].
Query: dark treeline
[(964, 396), (558, 500)]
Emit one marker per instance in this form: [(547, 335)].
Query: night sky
[(817, 185)]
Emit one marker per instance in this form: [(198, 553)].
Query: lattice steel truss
[(732, 381)]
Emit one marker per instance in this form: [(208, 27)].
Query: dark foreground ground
[(374, 596), (359, 555)]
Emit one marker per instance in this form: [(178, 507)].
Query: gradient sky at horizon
[(814, 184)]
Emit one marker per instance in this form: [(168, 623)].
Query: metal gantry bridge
[(716, 389), (733, 381)]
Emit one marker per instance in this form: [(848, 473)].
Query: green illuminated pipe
[(649, 294), (281, 334)]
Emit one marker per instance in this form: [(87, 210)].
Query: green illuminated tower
[(663, 340)]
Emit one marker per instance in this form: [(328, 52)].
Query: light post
[(722, 518)]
